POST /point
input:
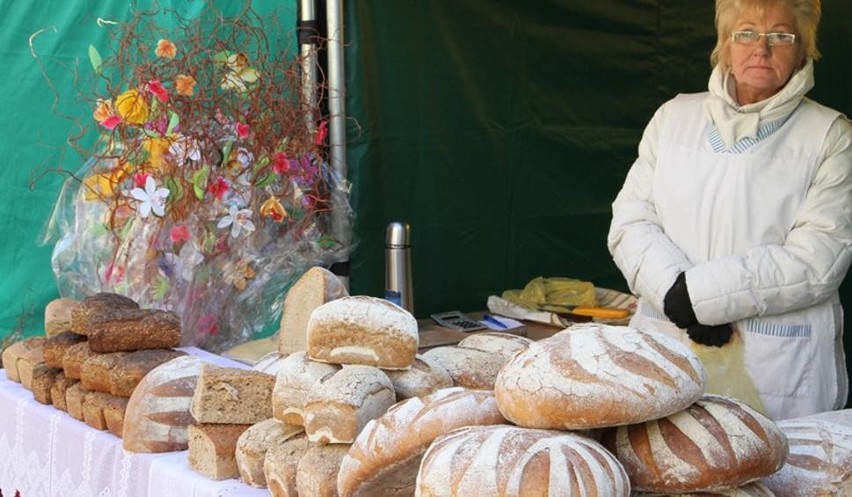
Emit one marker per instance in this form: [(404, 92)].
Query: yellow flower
[(132, 107), (185, 85), (104, 184), (156, 148), (165, 49), (272, 208)]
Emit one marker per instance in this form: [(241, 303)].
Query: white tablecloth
[(44, 452)]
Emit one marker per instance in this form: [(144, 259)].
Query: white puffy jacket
[(755, 205)]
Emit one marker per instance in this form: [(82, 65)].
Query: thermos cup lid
[(398, 235)]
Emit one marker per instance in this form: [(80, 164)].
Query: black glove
[(676, 304), (715, 336)]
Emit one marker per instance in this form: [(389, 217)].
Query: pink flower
[(322, 132), (113, 273), (139, 179), (243, 130), (280, 163), (179, 233), (111, 122), (218, 187), (208, 324), (156, 88)]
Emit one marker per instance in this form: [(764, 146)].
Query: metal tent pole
[(341, 229), (307, 31)]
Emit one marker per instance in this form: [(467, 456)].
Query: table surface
[(434, 335), (44, 452)]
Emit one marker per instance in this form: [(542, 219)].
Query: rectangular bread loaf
[(27, 363), (42, 382), (56, 346), (74, 400), (95, 370), (212, 449), (232, 396), (95, 307), (135, 329), (59, 389), (14, 352), (95, 405), (74, 357), (130, 369)]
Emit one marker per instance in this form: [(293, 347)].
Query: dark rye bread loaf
[(503, 460), (94, 306), (56, 346), (595, 375), (820, 459), (715, 444), (130, 329)]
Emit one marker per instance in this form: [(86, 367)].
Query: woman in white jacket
[(737, 215)]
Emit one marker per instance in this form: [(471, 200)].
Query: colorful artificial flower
[(322, 132), (218, 187), (184, 148), (132, 107), (238, 74), (165, 49), (150, 199), (185, 85), (139, 179), (237, 274), (242, 130), (105, 184), (273, 209), (238, 219), (179, 233), (155, 87), (280, 163)]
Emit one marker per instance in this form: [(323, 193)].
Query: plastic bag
[(554, 294), (726, 372)]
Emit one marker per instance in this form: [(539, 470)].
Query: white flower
[(238, 220), (151, 198), (185, 148)]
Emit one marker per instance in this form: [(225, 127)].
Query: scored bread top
[(594, 375)]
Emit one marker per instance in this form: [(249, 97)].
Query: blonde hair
[(806, 12)]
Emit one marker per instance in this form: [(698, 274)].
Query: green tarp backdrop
[(500, 130)]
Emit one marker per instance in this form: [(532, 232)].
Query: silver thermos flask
[(398, 286)]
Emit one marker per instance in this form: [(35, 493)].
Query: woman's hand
[(714, 336)]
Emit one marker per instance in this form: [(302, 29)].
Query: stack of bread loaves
[(644, 391), (96, 351)]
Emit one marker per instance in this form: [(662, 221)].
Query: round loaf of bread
[(296, 377), (386, 455), (269, 363), (754, 489), (363, 330), (595, 375), (715, 444), (505, 344), (57, 316), (253, 445), (503, 460), (820, 459), (280, 466), (157, 414), (469, 368), (316, 474), (425, 376)]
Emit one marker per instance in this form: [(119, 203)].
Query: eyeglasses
[(773, 39)]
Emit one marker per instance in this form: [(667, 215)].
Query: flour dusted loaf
[(754, 489), (594, 375), (504, 344), (503, 461), (339, 406), (232, 396), (469, 368), (820, 459), (316, 287), (386, 455), (255, 442), (129, 329), (57, 316), (212, 449), (56, 346), (316, 474), (715, 444), (158, 414), (269, 363), (425, 376), (280, 465), (97, 307), (363, 330), (295, 378), (13, 353)]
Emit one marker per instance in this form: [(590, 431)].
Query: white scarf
[(735, 122)]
